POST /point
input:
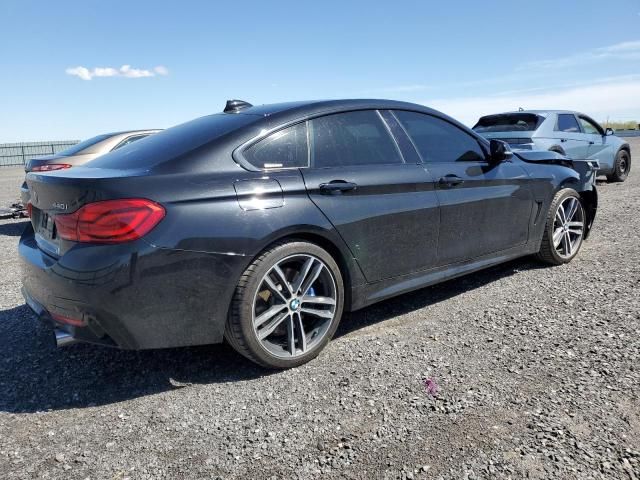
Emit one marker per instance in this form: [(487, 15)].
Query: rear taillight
[(50, 167), (29, 209), (110, 221)]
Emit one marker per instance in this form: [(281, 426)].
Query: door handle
[(450, 180), (336, 187), (591, 143), (563, 139)]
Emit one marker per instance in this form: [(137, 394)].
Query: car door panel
[(386, 210), (569, 136), (484, 208), (487, 212), (389, 221)]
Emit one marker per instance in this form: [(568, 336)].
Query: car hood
[(587, 169)]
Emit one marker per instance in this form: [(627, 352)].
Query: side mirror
[(609, 131), (499, 151)]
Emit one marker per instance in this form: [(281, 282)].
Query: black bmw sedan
[(262, 225)]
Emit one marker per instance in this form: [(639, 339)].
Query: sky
[(74, 69)]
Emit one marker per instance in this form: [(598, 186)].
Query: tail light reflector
[(50, 167), (110, 221)]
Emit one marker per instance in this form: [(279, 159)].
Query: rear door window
[(567, 123), (286, 148), (352, 139), (438, 140)]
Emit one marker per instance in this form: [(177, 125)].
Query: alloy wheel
[(568, 227), (294, 305)]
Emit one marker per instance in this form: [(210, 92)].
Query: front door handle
[(450, 180), (336, 187), (563, 139)]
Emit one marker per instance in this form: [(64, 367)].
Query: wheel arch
[(349, 269)]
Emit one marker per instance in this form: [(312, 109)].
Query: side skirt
[(369, 294)]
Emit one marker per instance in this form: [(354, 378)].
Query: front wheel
[(287, 305), (621, 167), (564, 228)]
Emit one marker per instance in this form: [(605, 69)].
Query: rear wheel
[(621, 167), (287, 305), (564, 229)]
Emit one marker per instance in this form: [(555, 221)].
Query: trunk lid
[(65, 191)]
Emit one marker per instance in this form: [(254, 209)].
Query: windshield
[(509, 122), (78, 147)]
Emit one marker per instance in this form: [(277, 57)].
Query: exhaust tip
[(63, 338)]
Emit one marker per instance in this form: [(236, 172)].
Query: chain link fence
[(16, 154)]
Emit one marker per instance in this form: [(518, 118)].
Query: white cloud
[(620, 51), (124, 71), (615, 98)]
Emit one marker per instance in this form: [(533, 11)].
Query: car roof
[(311, 107), (543, 113)]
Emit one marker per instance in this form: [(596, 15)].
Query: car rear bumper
[(132, 296)]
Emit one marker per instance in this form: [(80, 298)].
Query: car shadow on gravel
[(13, 229), (428, 296), (35, 375)]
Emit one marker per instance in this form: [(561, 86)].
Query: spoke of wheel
[(268, 314), (313, 276), (557, 236), (566, 240), (573, 208), (291, 336), (317, 313), (274, 287), (575, 231), (575, 225), (268, 330), (282, 278), (559, 217), (302, 274), (318, 300), (563, 214), (302, 336)]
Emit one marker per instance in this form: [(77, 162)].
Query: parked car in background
[(261, 225), (573, 134), (82, 153)]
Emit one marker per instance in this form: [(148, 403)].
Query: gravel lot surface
[(538, 372)]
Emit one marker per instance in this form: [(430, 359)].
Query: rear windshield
[(172, 142), (509, 122), (78, 147)]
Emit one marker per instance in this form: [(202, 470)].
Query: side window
[(286, 148), (439, 141), (352, 138), (567, 123), (589, 127), (128, 141)]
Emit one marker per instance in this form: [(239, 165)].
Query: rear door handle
[(450, 180), (337, 186), (563, 139)]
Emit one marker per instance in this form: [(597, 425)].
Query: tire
[(570, 233), (285, 322), (621, 167)]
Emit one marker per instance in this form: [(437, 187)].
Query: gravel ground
[(537, 368), (10, 180)]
